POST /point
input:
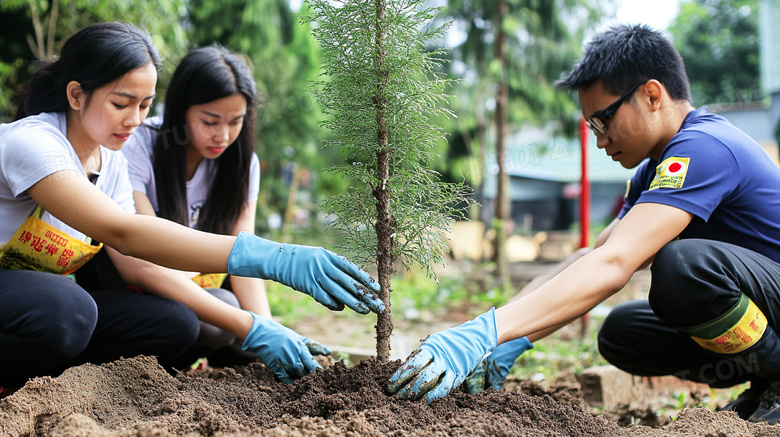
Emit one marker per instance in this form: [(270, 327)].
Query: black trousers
[(693, 281), (49, 323), (221, 347)]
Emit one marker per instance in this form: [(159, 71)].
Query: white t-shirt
[(139, 150), (37, 146)]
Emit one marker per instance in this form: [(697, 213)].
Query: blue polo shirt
[(716, 172)]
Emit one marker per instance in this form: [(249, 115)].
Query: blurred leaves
[(36, 29), (544, 42), (718, 40)]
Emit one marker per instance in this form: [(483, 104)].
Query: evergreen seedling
[(380, 92)]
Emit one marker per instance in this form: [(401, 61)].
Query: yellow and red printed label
[(670, 173), (38, 246), (210, 280), (746, 332)]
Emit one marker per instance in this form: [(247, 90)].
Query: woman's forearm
[(70, 197), (251, 294), (175, 285)]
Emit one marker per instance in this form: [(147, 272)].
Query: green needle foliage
[(380, 92)]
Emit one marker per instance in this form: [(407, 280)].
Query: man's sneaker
[(768, 405), (747, 402)]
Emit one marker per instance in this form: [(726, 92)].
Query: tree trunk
[(385, 224), (481, 131), (502, 102)]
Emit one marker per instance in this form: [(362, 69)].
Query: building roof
[(534, 155)]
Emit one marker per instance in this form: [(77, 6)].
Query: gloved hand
[(282, 350), (330, 279), (492, 370), (449, 355)]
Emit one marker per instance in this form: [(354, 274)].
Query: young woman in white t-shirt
[(62, 179)]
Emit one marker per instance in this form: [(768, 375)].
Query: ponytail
[(41, 94)]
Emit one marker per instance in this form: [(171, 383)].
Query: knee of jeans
[(212, 337), (67, 318), (183, 323), (225, 296)]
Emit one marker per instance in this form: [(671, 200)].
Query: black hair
[(204, 75), (94, 56), (625, 55)]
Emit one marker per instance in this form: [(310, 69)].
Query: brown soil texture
[(136, 397)]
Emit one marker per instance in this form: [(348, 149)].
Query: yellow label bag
[(38, 246), (210, 280)]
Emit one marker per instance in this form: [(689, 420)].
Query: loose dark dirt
[(136, 397)]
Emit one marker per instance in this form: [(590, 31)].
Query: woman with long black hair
[(196, 165)]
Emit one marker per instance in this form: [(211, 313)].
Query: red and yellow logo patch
[(670, 173), (745, 333)]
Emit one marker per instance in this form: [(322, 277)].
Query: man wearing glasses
[(703, 208)]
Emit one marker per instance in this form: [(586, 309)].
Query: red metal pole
[(584, 188), (584, 208)]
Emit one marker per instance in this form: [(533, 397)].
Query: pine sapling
[(380, 92)]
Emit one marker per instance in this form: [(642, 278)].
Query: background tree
[(35, 30), (379, 92), (513, 51), (718, 40)]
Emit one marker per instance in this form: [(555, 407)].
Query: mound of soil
[(136, 397)]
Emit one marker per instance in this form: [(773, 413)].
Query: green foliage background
[(17, 17), (544, 42), (718, 40)]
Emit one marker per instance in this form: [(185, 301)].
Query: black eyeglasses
[(598, 121)]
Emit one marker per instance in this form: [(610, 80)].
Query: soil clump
[(137, 397)]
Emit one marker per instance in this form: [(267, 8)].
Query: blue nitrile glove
[(282, 350), (444, 359), (330, 279), (493, 369)]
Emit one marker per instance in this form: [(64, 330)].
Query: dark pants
[(693, 281), (49, 323), (221, 348), (212, 342)]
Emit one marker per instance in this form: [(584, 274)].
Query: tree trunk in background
[(502, 127), (481, 131), (385, 226)]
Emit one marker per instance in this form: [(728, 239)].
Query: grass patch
[(566, 352)]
